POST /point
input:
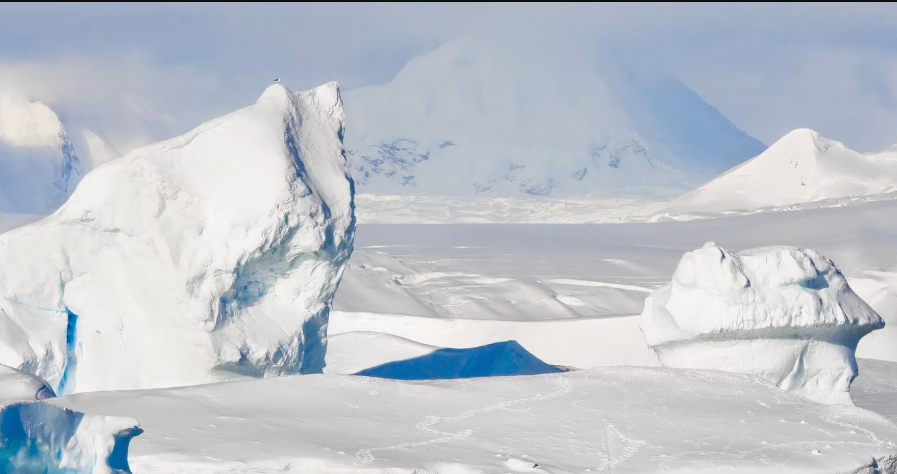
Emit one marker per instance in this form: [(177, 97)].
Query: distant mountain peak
[(803, 166), (481, 116), (39, 166)]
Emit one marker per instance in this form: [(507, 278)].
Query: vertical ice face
[(785, 314), (211, 256), (39, 167)]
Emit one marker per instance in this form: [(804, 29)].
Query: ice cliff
[(784, 314), (211, 256)]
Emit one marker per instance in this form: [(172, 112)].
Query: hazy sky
[(141, 72)]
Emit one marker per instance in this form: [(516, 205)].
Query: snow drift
[(611, 419), (39, 167), (207, 257), (785, 314), (801, 167), (39, 438)]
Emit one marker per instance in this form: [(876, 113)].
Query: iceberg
[(784, 314), (40, 438), (212, 256)]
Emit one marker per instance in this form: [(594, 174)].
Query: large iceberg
[(208, 257), (785, 314)]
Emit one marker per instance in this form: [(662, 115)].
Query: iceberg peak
[(211, 256)]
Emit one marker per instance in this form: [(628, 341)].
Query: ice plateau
[(785, 314), (801, 167), (211, 256), (545, 124), (39, 167)]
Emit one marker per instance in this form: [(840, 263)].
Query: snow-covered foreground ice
[(604, 420), (785, 314), (210, 256), (513, 272)]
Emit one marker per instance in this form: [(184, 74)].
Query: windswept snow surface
[(619, 419), (801, 167), (39, 167), (208, 257), (40, 438), (484, 116), (785, 314), (379, 209), (441, 277)]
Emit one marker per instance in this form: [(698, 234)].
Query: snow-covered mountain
[(801, 167), (479, 116), (39, 166), (42, 158)]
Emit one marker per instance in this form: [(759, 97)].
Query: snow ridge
[(802, 166)]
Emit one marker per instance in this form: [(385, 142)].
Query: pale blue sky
[(140, 72)]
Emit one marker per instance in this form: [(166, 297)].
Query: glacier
[(481, 116), (785, 314), (211, 256)]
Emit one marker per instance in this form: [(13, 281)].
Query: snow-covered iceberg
[(785, 314), (40, 438), (211, 256)]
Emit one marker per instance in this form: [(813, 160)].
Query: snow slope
[(39, 167), (481, 115), (210, 256), (785, 314), (801, 167), (604, 420)]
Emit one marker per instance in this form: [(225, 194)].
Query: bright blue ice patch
[(33, 436), (491, 360), (71, 361)]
